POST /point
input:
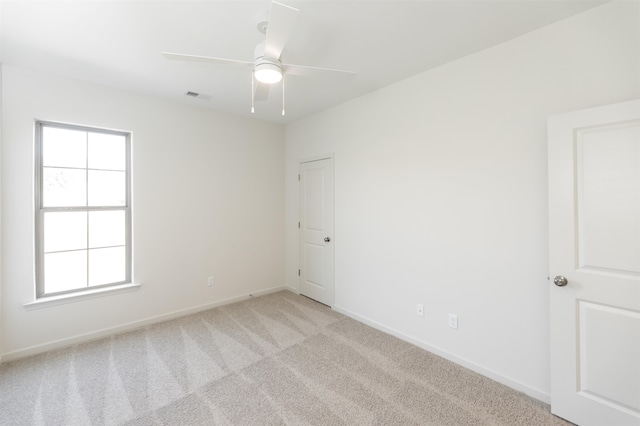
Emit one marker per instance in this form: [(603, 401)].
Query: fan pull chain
[(282, 94), (253, 78)]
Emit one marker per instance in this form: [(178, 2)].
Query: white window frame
[(40, 210)]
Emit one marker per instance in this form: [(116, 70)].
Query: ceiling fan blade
[(281, 21), (207, 59), (260, 91), (305, 71)]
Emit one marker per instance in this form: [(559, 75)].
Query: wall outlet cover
[(453, 321)]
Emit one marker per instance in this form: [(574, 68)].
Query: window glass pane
[(82, 169), (65, 231), (107, 265), (63, 187), (106, 228), (107, 151), (107, 188), (65, 271), (64, 147)]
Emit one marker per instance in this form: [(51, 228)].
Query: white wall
[(1, 319), (441, 190), (208, 198)]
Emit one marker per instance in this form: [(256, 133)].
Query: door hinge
[(298, 272), (298, 225), (298, 178)]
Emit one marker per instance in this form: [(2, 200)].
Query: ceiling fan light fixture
[(268, 73)]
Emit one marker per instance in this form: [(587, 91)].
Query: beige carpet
[(276, 359)]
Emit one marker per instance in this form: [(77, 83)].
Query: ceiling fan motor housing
[(266, 70)]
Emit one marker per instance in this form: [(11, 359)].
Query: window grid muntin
[(39, 226)]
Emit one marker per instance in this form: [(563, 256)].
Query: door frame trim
[(329, 156)]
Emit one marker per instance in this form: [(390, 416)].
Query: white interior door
[(594, 225), (316, 230)]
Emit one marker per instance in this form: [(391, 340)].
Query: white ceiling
[(118, 44)]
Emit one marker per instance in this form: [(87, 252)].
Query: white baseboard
[(291, 289), (87, 337), (105, 332), (514, 384)]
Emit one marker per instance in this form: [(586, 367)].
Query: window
[(83, 208)]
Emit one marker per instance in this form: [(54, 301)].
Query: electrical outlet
[(453, 321), (420, 310), (210, 281)]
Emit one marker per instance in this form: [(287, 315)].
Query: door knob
[(560, 281), (327, 239)]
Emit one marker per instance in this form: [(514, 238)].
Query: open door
[(594, 225)]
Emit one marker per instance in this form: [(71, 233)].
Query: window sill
[(44, 302)]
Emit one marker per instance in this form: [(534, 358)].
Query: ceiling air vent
[(197, 95)]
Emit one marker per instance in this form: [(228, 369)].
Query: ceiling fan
[(267, 66)]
